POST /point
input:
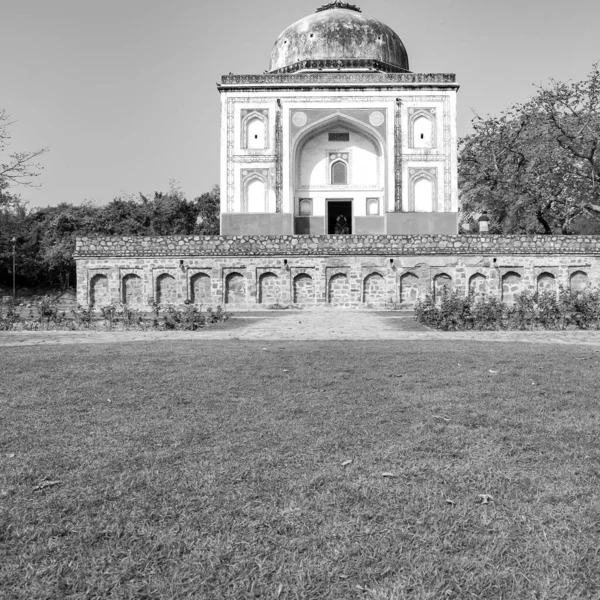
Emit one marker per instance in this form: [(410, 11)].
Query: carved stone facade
[(339, 85)]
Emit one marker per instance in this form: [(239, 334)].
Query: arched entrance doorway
[(337, 177)]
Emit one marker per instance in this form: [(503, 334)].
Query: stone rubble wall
[(245, 273), (362, 245)]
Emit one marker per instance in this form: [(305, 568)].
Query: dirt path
[(303, 325)]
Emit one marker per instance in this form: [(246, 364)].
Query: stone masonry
[(252, 272)]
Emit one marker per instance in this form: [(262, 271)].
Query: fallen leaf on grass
[(485, 498), (346, 463), (388, 475), (46, 484)]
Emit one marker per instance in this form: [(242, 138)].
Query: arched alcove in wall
[(477, 285), (441, 283), (255, 190), (235, 289), (578, 281), (132, 289), (166, 289), (423, 191), (422, 129), (374, 289), (303, 289), (268, 289), (255, 131), (512, 285), (338, 289), (200, 292), (409, 288), (546, 283), (99, 292)]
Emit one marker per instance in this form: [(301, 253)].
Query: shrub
[(487, 313), (9, 317), (546, 310), (83, 316)]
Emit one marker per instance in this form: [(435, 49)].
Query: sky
[(123, 92)]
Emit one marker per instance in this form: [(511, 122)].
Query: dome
[(338, 37)]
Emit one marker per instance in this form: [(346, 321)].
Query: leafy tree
[(208, 212), (47, 235), (535, 169)]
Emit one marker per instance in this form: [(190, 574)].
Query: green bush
[(44, 315), (546, 310)]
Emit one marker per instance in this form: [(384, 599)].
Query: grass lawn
[(196, 469)]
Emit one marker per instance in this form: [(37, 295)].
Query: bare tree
[(16, 168)]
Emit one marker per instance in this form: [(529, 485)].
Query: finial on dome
[(338, 4)]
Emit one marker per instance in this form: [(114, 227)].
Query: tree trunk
[(544, 223), (593, 208)]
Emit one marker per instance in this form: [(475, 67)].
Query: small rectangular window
[(339, 137)]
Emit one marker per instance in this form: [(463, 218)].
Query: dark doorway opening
[(339, 216)]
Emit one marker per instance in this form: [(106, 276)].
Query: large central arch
[(352, 125)]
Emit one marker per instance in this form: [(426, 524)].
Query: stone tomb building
[(338, 188), (339, 126)]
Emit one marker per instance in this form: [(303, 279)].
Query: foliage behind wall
[(46, 236)]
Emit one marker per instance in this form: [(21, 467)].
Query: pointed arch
[(409, 288), (338, 172), (441, 282), (423, 191), (578, 281), (422, 129), (512, 285), (477, 285), (350, 124), (546, 283), (255, 131), (255, 192)]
